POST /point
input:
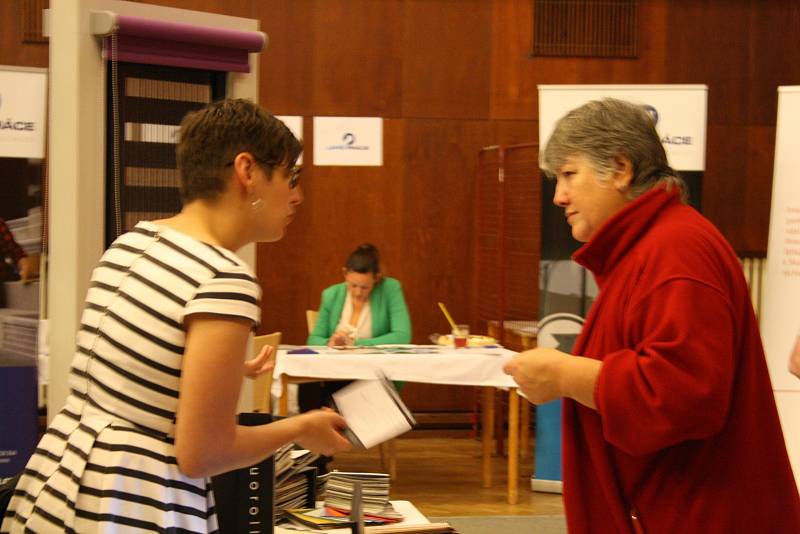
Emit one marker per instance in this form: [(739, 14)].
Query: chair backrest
[(263, 384), (311, 319)]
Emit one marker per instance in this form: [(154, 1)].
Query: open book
[(373, 410)]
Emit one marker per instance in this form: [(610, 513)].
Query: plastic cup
[(460, 335)]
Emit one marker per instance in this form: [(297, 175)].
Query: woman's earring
[(256, 204)]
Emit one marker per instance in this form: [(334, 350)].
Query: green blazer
[(390, 321)]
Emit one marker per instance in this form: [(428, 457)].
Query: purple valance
[(156, 42)]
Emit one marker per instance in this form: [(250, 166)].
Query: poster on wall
[(23, 112), (348, 141), (679, 112)]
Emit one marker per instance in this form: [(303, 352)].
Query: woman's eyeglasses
[(294, 171), (294, 175)]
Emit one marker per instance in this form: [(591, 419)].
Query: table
[(474, 366)]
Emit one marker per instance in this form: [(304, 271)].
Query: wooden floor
[(442, 477)]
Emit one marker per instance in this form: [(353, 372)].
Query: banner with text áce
[(679, 112), (23, 104)]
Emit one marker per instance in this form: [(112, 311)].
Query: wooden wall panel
[(437, 223), (357, 57), (287, 74), (12, 50), (446, 58), (743, 51), (234, 8), (513, 89)]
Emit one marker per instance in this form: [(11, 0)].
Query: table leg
[(513, 446), (524, 429), (283, 409), (486, 434), (499, 424), (392, 453)]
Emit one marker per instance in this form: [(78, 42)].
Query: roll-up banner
[(23, 104), (780, 319), (679, 112)]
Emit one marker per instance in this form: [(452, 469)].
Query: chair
[(311, 319), (262, 385)]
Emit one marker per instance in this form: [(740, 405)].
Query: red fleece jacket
[(686, 435)]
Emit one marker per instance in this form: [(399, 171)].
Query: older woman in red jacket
[(670, 423)]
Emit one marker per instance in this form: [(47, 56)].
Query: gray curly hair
[(604, 129)]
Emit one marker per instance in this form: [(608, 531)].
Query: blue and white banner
[(348, 141), (780, 318), (679, 112), (23, 112)]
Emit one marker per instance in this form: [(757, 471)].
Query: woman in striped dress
[(161, 348)]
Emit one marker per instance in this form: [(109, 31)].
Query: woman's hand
[(321, 432), (794, 359), (28, 268), (538, 373), (263, 363), (544, 375), (340, 339)]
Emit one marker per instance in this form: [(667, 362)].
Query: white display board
[(348, 141), (679, 112), (780, 319), (781, 299), (23, 109)]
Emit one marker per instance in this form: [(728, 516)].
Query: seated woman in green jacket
[(365, 309)]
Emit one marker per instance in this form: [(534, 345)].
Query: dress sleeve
[(675, 383), (233, 292)]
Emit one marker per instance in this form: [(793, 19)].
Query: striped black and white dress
[(107, 462)]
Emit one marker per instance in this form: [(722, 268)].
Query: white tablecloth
[(474, 366)]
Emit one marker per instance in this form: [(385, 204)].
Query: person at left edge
[(161, 348), (28, 266)]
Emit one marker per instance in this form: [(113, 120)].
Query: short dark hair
[(211, 137), (364, 259)]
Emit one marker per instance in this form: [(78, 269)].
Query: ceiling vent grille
[(589, 28)]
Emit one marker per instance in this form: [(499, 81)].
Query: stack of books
[(295, 481), (339, 487)]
